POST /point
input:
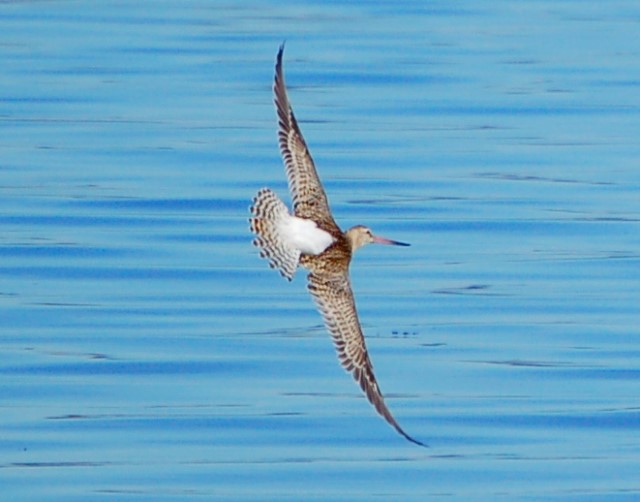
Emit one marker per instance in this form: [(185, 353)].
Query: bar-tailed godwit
[(310, 237)]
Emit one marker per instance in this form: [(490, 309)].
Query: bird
[(309, 237)]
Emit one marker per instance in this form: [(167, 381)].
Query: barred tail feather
[(269, 212)]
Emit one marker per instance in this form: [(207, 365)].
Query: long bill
[(382, 240)]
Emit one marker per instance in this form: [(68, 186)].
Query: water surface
[(149, 354)]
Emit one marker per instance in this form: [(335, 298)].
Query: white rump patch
[(304, 235)]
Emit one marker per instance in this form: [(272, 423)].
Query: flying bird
[(310, 237)]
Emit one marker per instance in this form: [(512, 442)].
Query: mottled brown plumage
[(268, 209), (328, 279), (308, 197)]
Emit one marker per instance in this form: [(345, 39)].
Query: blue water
[(147, 353)]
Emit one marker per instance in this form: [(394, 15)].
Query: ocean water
[(148, 353)]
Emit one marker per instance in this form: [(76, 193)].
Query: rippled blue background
[(147, 353)]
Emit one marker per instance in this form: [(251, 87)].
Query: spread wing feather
[(309, 198), (334, 298), (329, 285)]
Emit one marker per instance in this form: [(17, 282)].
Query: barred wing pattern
[(334, 298), (309, 198)]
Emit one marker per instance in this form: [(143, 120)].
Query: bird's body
[(311, 238)]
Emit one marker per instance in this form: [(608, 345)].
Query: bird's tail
[(269, 214)]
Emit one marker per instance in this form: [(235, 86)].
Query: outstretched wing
[(309, 198), (332, 293)]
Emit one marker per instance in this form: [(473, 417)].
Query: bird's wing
[(334, 298), (309, 198)]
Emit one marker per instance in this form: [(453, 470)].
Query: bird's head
[(360, 235)]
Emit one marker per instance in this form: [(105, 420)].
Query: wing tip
[(385, 413), (410, 438), (279, 59)]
